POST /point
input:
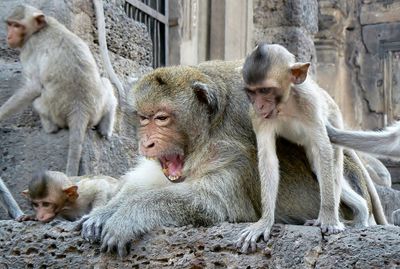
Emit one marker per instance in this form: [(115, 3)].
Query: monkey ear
[(71, 192), (205, 95), (299, 72), (25, 193), (40, 20)]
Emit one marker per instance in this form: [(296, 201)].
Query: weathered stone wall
[(24, 146), (350, 45), (289, 23), (354, 65)]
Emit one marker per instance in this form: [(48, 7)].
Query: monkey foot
[(252, 234), (312, 222), (326, 228), (332, 229)]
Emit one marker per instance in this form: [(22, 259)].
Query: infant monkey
[(53, 194), (285, 102)]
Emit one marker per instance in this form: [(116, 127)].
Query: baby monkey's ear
[(299, 72), (25, 193), (71, 192)]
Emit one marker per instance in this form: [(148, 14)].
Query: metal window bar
[(154, 14)]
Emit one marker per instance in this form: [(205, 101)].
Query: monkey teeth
[(173, 178), (172, 167)]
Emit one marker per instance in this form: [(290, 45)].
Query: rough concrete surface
[(56, 245), (25, 148)]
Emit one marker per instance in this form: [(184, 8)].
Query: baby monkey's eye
[(250, 92), (266, 90), (46, 204)]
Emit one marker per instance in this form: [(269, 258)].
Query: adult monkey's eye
[(143, 120), (162, 117)]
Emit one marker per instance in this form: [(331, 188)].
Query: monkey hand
[(118, 233), (251, 234), (26, 218), (91, 225), (326, 228)]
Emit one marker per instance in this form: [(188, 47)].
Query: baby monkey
[(54, 194), (286, 102)]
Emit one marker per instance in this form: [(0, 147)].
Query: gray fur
[(223, 189), (64, 84), (396, 217), (377, 170), (256, 65), (222, 182), (8, 202), (381, 143)]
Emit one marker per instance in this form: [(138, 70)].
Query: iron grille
[(154, 14)]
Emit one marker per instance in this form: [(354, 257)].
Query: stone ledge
[(56, 245)]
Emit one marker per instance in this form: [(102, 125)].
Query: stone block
[(278, 13), (374, 13)]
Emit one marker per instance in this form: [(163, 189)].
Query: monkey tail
[(101, 30), (384, 143), (377, 208), (8, 201), (77, 132)]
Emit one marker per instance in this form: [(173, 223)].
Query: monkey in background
[(61, 79), (286, 102), (8, 202), (53, 194)]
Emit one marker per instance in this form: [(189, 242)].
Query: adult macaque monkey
[(8, 202), (286, 102), (194, 127), (61, 79), (53, 194)]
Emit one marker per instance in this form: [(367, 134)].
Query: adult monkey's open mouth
[(172, 166)]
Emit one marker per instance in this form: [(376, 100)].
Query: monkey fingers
[(251, 235), (110, 243), (325, 228), (26, 218), (91, 228), (79, 223), (332, 229)]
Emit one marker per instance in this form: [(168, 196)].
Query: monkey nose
[(148, 144)]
